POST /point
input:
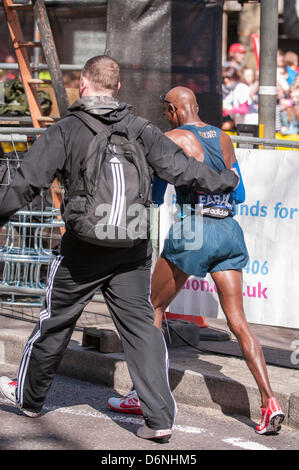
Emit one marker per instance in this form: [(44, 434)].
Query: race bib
[(215, 205)]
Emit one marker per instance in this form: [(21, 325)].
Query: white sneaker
[(8, 389), (128, 404), (159, 435)]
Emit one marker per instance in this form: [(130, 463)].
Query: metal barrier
[(27, 243), (292, 144), (21, 131), (26, 253), (28, 240)]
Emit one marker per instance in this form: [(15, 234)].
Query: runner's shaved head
[(180, 106), (182, 97)]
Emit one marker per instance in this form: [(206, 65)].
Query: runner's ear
[(171, 108)]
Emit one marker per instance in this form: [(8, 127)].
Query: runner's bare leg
[(167, 281), (230, 292)]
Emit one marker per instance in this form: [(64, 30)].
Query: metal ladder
[(47, 43)]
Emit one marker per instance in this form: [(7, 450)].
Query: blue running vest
[(214, 205)]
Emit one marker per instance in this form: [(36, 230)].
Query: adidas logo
[(114, 160)]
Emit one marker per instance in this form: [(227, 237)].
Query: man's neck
[(102, 93), (192, 119), (88, 91)]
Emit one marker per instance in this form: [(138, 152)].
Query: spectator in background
[(291, 60), (8, 74), (236, 54), (296, 82), (289, 111), (295, 96), (285, 74), (280, 94), (249, 77), (235, 95)]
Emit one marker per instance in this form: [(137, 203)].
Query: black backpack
[(108, 204)]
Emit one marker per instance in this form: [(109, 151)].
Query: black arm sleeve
[(173, 165), (37, 171)]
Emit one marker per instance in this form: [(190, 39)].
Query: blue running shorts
[(222, 246)]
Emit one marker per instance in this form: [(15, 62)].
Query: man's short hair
[(102, 72)]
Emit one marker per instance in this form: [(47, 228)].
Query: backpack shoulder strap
[(102, 135), (136, 126)]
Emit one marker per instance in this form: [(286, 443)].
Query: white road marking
[(120, 418), (248, 445), (188, 429), (94, 414), (234, 441), (116, 417)]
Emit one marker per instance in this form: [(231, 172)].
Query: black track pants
[(124, 278)]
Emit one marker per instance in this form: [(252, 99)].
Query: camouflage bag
[(16, 101)]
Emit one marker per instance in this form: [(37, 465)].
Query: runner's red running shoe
[(272, 417)]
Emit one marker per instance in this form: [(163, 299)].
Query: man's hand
[(236, 172)]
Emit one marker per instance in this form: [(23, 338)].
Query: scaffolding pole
[(268, 65), (67, 67), (15, 133)]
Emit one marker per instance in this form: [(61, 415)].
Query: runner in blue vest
[(220, 250)]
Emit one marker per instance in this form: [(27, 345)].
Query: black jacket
[(61, 149)]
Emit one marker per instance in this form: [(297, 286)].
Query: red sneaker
[(128, 404), (272, 417)]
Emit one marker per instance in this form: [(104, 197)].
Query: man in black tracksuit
[(81, 269)]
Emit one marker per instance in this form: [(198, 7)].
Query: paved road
[(75, 417)]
